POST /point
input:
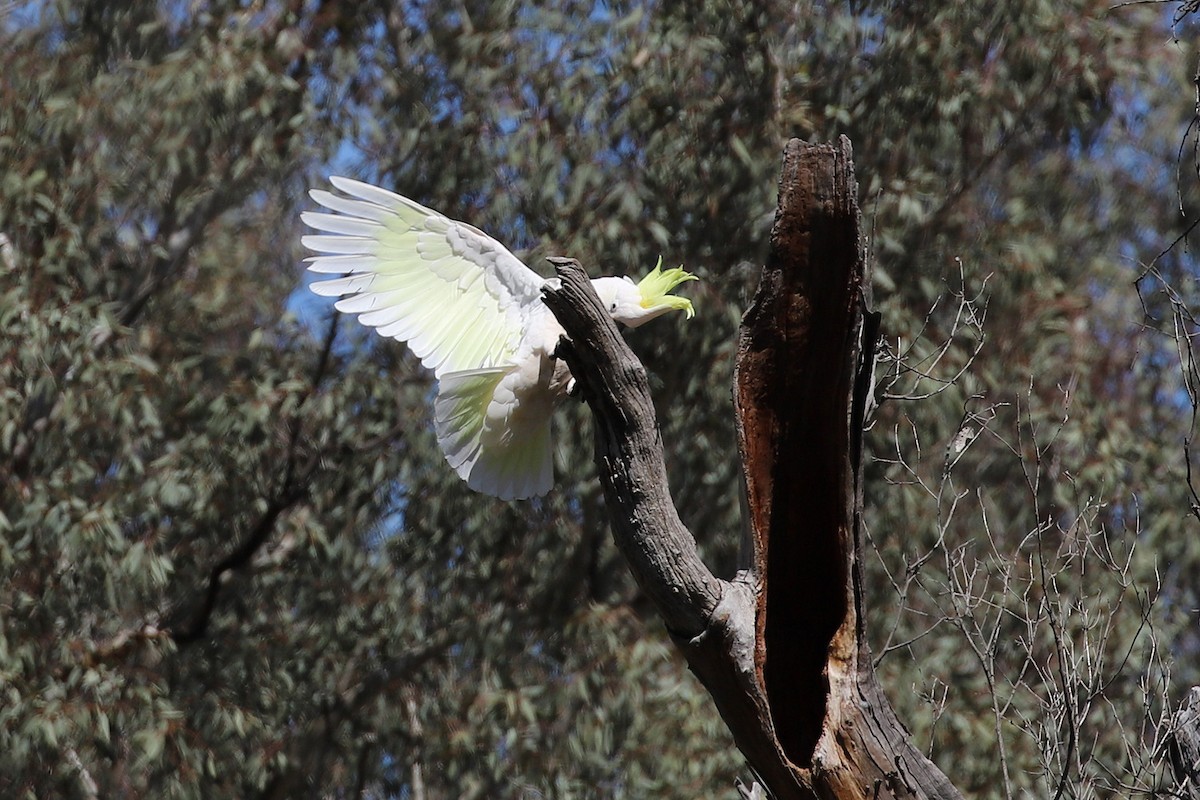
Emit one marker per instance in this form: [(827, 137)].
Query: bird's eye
[(614, 307)]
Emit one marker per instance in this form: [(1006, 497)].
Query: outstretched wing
[(457, 296), (513, 461)]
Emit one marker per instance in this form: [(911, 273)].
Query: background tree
[(234, 564)]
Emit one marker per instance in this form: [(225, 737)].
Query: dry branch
[(781, 648)]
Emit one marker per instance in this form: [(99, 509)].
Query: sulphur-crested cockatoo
[(473, 313)]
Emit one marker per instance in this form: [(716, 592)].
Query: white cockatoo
[(473, 313)]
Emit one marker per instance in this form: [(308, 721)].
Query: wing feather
[(457, 296), (433, 331), (460, 410), (333, 223), (511, 467), (516, 469), (353, 208), (385, 314), (372, 302), (339, 245), (451, 335), (377, 195), (350, 285), (338, 265)]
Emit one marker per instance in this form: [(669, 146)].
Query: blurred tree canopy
[(234, 563)]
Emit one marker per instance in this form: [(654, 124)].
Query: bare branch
[(647, 528), (292, 488)]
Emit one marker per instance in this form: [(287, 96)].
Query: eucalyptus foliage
[(233, 561)]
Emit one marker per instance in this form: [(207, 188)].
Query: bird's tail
[(513, 464)]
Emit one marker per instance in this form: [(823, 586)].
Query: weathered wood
[(797, 360), (711, 620), (1182, 743), (781, 648), (647, 529)]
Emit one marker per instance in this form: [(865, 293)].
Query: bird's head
[(633, 304)]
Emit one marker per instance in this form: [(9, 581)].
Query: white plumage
[(473, 313)]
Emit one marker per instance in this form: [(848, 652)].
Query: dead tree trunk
[(781, 648)]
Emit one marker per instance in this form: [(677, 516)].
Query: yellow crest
[(656, 286)]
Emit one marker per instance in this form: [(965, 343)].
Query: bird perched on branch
[(473, 313)]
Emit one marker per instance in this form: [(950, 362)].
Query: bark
[(780, 648), (1182, 743)]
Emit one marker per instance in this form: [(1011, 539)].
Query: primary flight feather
[(473, 313)]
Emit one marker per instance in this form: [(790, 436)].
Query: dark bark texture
[(780, 648), (1182, 742)]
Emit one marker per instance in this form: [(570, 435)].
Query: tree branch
[(1182, 744), (711, 621), (781, 648), (646, 526), (291, 490)]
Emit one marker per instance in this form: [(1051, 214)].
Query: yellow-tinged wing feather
[(512, 463), (457, 296)]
